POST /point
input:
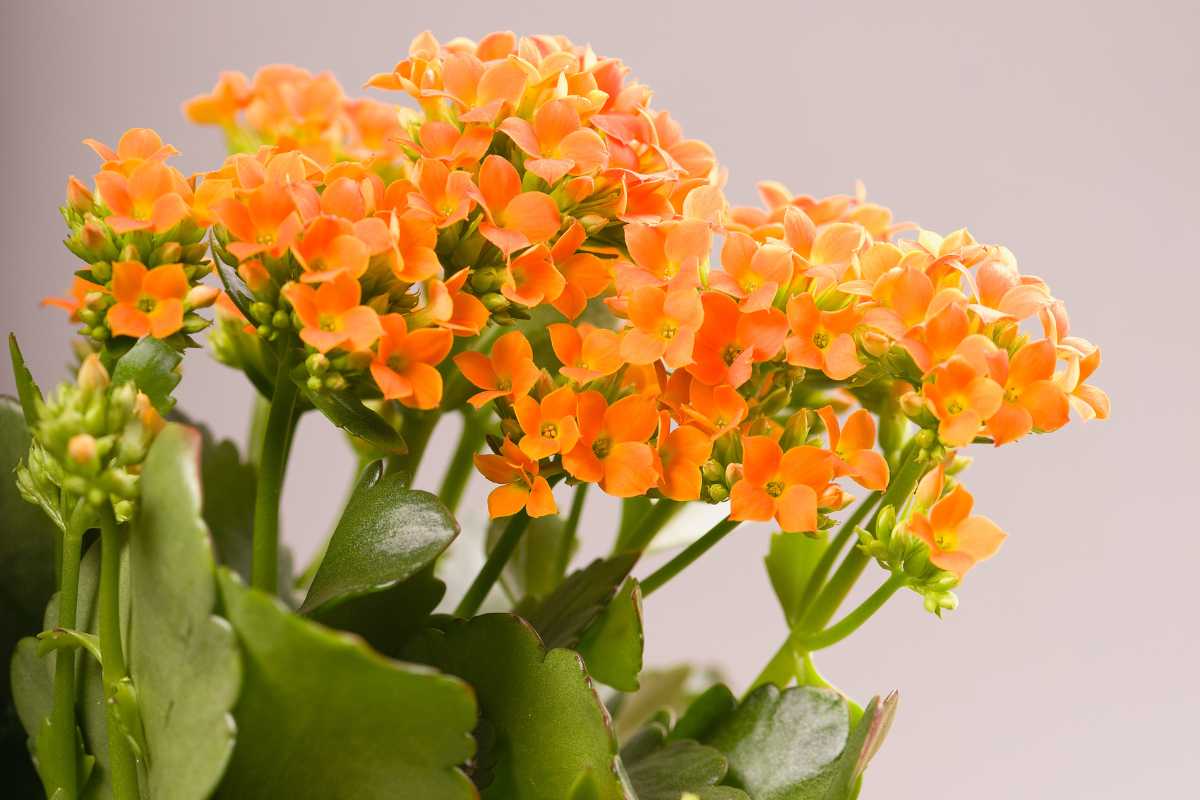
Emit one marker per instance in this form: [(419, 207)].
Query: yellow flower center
[(945, 539), (774, 488), (397, 362), (146, 303), (549, 430), (730, 353), (1012, 394), (328, 322), (668, 330), (504, 384), (956, 405), (601, 447), (821, 340)]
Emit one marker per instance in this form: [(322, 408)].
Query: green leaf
[(562, 617), (682, 766), (183, 659), (27, 388), (229, 483), (387, 534), (533, 571), (348, 413), (234, 286), (152, 365), (388, 618), (706, 711), (322, 716), (790, 563), (612, 645), (549, 725), (864, 742), (27, 538), (658, 689), (784, 745), (65, 638)]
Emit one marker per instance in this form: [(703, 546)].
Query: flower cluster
[(142, 240), (537, 219), (89, 440)]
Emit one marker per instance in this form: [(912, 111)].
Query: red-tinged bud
[(201, 296), (833, 497), (148, 414), (79, 197), (92, 235), (255, 275), (92, 374), (876, 344), (82, 449), (733, 474)]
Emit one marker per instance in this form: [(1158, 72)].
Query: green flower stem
[(689, 554), (122, 765), (63, 713), (855, 619), (571, 529), (831, 597), (834, 549), (417, 428), (501, 553), (276, 442), (638, 535), (458, 474), (780, 669)]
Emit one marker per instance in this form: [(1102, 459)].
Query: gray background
[(1066, 130)]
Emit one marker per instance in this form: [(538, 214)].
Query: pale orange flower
[(612, 449), (751, 272), (153, 197), (80, 289), (444, 195), (517, 219), (731, 341), (962, 399), (549, 425), (664, 326), (681, 453), (823, 339), (957, 540), (149, 301), (332, 314), (509, 371), (1032, 399), (405, 365), (521, 487), (852, 446), (586, 352), (783, 486), (557, 142)]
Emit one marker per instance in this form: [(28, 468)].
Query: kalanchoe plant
[(529, 246)]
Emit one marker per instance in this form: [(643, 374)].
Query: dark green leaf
[(229, 487), (790, 563), (27, 388), (784, 745), (183, 659), (152, 365), (549, 726), (659, 689), (322, 716), (235, 287), (348, 413), (706, 711), (682, 766), (388, 618), (27, 538), (612, 645), (387, 534), (562, 617)]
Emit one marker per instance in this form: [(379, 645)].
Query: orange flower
[(783, 486), (532, 278), (220, 107), (329, 248), (822, 339), (730, 341), (1089, 401), (521, 486), (549, 426), (509, 372), (715, 409), (443, 141), (406, 241), (332, 315), (445, 195), (136, 146), (670, 253), (681, 453), (153, 197), (149, 302), (586, 352), (752, 273), (405, 364), (80, 289), (612, 449), (852, 446), (963, 399), (664, 326), (1032, 400), (266, 221), (452, 308), (585, 274), (957, 541), (557, 142), (517, 219)]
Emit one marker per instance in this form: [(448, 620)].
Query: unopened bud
[(712, 471), (358, 360), (262, 312), (102, 271), (775, 401), (123, 510), (733, 474), (924, 439), (92, 374), (130, 253), (717, 493), (317, 364), (167, 253), (79, 197), (511, 428), (82, 449), (335, 383), (494, 302), (913, 405), (281, 319), (201, 296), (875, 344), (885, 521), (94, 237), (194, 323)]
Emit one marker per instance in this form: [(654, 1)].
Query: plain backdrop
[(1066, 130)]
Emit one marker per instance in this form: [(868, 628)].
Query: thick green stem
[(831, 597), (834, 549), (855, 619), (486, 579), (571, 528), (122, 765), (780, 669), (417, 429), (692, 552), (638, 535), (62, 715), (459, 472), (276, 442)]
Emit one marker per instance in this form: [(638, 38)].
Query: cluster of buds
[(89, 441), (142, 241)]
